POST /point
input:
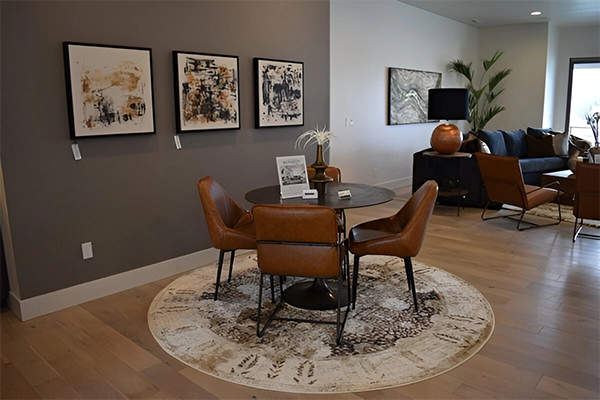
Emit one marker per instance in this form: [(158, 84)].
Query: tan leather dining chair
[(336, 174), (503, 182), (586, 201), (300, 241), (399, 235), (230, 226)]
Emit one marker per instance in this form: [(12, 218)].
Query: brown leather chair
[(336, 174), (230, 226), (503, 182), (586, 201), (400, 235), (333, 172), (300, 241)]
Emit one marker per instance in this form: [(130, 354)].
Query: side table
[(447, 173), (567, 182)]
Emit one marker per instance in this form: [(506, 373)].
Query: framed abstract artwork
[(408, 94), (109, 89), (279, 93), (206, 92)]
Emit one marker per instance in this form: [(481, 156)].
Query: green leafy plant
[(481, 97)]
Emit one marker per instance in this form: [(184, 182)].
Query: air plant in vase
[(592, 121), (321, 137), (594, 152)]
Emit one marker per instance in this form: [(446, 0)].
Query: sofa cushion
[(543, 147), (516, 144), (538, 133), (560, 142), (494, 140), (542, 164)]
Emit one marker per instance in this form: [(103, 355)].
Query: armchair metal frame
[(523, 210), (503, 180)]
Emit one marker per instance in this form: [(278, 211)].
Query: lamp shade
[(448, 104)]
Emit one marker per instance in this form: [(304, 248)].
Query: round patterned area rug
[(385, 343)]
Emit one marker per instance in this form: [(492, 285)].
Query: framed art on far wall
[(279, 93), (408, 93), (206, 91), (109, 89)]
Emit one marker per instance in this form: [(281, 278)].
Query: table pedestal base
[(315, 295)]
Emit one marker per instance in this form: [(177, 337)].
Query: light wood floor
[(543, 288)]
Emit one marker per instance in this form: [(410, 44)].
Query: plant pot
[(594, 154)]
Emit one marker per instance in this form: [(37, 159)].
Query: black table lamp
[(447, 104)]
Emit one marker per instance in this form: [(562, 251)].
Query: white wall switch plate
[(86, 249)]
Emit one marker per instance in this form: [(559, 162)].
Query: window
[(583, 95)]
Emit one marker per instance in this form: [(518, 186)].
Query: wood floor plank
[(56, 388), (28, 362), (564, 389), (14, 385)]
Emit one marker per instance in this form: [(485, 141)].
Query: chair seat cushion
[(374, 241), (540, 196)]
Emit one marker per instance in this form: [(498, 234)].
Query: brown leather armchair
[(230, 226), (503, 182), (300, 241), (400, 235), (586, 204)]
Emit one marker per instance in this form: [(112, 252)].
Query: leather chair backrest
[(503, 179), (221, 212), (413, 218), (333, 172), (587, 191), (297, 240)]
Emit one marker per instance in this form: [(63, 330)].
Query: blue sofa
[(535, 149)]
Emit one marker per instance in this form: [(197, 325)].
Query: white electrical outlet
[(86, 250)]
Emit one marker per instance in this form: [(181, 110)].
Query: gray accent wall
[(135, 197)]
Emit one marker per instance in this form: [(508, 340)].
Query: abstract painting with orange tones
[(109, 90), (206, 91)]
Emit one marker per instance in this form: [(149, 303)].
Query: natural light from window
[(585, 98)]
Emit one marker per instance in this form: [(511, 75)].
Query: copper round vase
[(446, 139)]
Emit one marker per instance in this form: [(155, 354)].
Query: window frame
[(572, 63)]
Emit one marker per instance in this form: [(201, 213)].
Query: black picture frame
[(207, 95), (109, 90), (279, 93)]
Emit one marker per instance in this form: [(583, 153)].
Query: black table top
[(362, 196)]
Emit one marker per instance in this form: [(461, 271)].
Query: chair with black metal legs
[(503, 182), (301, 241), (400, 235), (586, 201), (230, 226)]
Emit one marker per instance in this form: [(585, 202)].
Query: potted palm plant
[(482, 95)]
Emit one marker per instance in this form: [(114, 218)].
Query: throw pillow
[(560, 141), (516, 145), (470, 144), (494, 140), (543, 147), (538, 133), (484, 147)]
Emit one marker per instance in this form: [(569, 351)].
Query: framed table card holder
[(293, 179)]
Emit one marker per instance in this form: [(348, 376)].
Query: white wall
[(526, 50), (573, 43), (367, 37), (550, 90)]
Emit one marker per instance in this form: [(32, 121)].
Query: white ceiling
[(488, 13)]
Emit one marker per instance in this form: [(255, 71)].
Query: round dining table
[(319, 294), (361, 196)]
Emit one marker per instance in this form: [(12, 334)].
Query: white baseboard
[(396, 183), (72, 296)]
